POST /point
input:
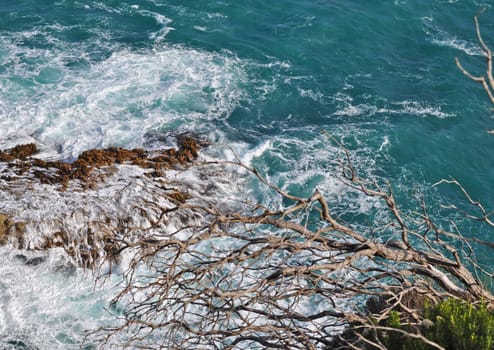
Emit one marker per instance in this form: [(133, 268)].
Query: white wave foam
[(102, 6), (440, 37), (302, 160), (257, 151), (459, 44), (160, 19), (52, 301), (418, 109), (45, 303), (385, 144), (356, 110), (316, 96), (347, 108), (114, 101)]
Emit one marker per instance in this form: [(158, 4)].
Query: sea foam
[(113, 101)]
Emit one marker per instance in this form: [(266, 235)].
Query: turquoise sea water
[(264, 77)]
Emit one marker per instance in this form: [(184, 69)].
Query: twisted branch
[(291, 278)]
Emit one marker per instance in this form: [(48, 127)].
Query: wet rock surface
[(86, 207), (18, 152), (11, 230), (30, 260), (22, 160)]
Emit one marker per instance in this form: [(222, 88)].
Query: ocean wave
[(47, 305), (441, 37), (112, 101), (163, 21), (346, 107), (55, 301), (301, 160), (418, 109)]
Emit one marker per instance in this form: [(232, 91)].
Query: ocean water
[(264, 78)]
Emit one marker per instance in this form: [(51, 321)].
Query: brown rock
[(83, 167), (18, 152), (10, 229)]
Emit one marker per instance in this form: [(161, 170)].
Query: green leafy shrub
[(455, 325), (398, 341)]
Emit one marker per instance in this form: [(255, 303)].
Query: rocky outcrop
[(21, 159), (11, 231), (91, 220), (18, 152)]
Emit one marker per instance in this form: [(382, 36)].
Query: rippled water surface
[(263, 77)]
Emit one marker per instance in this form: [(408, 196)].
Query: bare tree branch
[(486, 81), (292, 278)]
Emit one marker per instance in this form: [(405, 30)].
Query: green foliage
[(456, 325), (459, 325), (396, 340)]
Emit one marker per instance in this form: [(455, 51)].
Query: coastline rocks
[(18, 152), (11, 231), (90, 207), (20, 159)]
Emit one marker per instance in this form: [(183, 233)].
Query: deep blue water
[(265, 77)]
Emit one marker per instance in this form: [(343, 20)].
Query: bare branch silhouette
[(293, 278), (486, 80)]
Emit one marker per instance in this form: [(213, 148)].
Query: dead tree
[(294, 277), (290, 278), (486, 80)]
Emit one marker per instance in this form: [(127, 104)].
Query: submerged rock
[(30, 261), (12, 340)]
